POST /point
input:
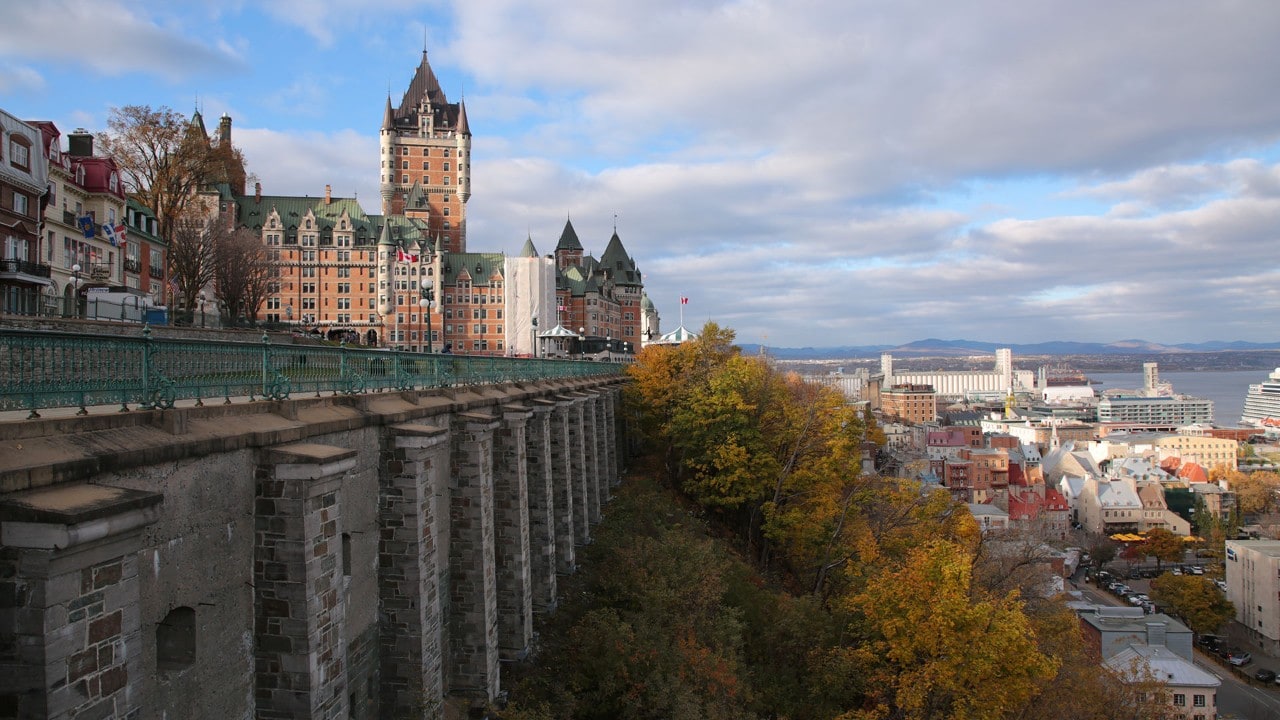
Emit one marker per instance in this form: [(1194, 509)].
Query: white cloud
[(110, 38)]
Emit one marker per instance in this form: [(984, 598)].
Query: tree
[(1164, 546), (192, 256), (1102, 550), (243, 273), (1195, 599), (1256, 491), (163, 157), (941, 650)]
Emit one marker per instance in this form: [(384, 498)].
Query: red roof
[(1191, 472)]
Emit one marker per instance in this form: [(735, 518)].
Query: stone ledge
[(72, 504)]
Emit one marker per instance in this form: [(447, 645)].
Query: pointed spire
[(463, 127), (529, 250), (568, 238), (385, 237), (387, 117)]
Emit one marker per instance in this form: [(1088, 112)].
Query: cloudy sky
[(807, 172)]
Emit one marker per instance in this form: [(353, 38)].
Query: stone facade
[(365, 556)]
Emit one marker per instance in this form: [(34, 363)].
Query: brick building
[(405, 278)]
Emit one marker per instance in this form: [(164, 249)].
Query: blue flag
[(86, 225)]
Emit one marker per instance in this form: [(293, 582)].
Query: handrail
[(46, 369)]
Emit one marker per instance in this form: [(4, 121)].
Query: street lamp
[(202, 308), (582, 341), (425, 304), (75, 288), (535, 336)]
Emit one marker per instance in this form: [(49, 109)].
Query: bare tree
[(192, 256), (243, 273)]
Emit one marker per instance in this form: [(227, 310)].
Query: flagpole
[(682, 301)]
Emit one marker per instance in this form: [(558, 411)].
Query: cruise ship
[(1262, 404)]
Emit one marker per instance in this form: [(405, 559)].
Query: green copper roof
[(529, 250), (568, 238)]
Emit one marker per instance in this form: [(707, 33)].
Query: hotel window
[(20, 203), (446, 179), (404, 178), (404, 151), (446, 167), (426, 152), (404, 165), (426, 165)]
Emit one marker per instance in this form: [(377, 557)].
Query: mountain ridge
[(934, 347)]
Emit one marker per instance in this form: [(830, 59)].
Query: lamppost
[(582, 342), (535, 336), (202, 308), (288, 314), (75, 288), (425, 304)]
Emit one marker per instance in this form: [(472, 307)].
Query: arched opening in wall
[(176, 640)]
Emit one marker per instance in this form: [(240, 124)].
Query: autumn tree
[(1255, 491), (938, 649), (163, 157), (1195, 599), (1164, 546), (242, 273)]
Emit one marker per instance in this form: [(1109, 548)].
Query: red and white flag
[(684, 300), (120, 233), (402, 256)]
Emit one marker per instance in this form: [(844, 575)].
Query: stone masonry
[(299, 629), (363, 556)]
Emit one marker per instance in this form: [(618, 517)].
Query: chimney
[(257, 192), (80, 143), (328, 194), (1155, 633)]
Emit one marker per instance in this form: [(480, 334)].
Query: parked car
[(1239, 657), (1211, 642), (1135, 600), (1265, 675), (1197, 570), (1176, 571), (1222, 585)]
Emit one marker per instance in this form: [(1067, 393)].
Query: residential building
[(86, 237), (1108, 631), (1133, 413), (24, 187), (989, 517), (1191, 693), (1110, 506), (909, 403), (1156, 512), (1252, 570)]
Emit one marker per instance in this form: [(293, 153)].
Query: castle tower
[(425, 146)]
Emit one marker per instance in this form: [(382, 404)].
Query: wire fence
[(44, 369)]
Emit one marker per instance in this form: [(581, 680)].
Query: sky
[(807, 172)]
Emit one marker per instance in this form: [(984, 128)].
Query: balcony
[(156, 272), (68, 218), (12, 267), (132, 265)]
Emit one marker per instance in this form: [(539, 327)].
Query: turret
[(386, 141), (464, 153), (386, 267)]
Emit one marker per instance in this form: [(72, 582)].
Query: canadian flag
[(120, 233), (684, 300), (402, 256)]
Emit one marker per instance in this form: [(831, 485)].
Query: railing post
[(146, 367), (266, 361)]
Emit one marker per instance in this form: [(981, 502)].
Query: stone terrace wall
[(365, 556)]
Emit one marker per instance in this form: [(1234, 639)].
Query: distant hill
[(933, 347)]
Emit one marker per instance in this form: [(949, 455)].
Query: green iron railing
[(53, 369)]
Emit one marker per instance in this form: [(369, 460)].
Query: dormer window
[(113, 182), (80, 175)]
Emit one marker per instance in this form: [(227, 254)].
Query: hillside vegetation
[(749, 568)]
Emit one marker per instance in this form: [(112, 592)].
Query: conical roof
[(529, 250), (463, 127), (568, 238), (423, 84)]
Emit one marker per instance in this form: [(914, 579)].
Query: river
[(1226, 388)]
